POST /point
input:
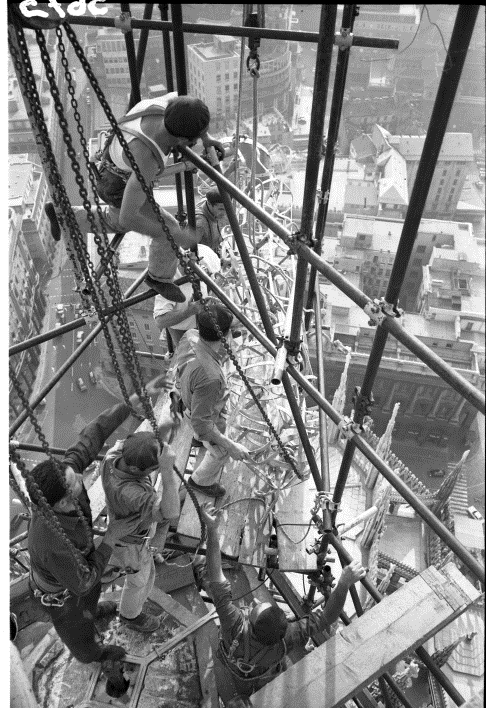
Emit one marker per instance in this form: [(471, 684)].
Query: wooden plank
[(294, 508), (172, 607), (372, 644), (206, 643)]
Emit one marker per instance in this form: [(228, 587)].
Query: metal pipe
[(151, 355), (318, 112), (349, 13), (321, 385), (169, 75), (281, 358), (445, 371), (132, 61), (180, 65), (143, 40), (346, 558), (233, 31), (81, 321), (19, 538), (52, 450), (67, 364), (461, 36)]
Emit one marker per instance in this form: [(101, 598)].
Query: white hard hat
[(209, 259)]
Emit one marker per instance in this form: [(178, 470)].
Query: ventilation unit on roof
[(462, 256)]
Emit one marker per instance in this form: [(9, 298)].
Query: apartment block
[(213, 74)]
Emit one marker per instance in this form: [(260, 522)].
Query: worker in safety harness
[(254, 641), (152, 128), (67, 590)]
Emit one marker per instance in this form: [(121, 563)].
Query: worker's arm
[(174, 317), (211, 517), (351, 574)]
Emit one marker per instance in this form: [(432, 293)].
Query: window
[(148, 337), (235, 87), (448, 345), (442, 181), (455, 182), (421, 249), (458, 172), (218, 89), (434, 344), (361, 237), (444, 172), (468, 327), (226, 76), (146, 326), (417, 262), (218, 77), (439, 190), (388, 271)]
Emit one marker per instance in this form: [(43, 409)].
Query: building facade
[(213, 74)]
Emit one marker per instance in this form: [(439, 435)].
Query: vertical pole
[(180, 62), (132, 61), (321, 83), (451, 74), (321, 385), (169, 75), (142, 42), (335, 117)]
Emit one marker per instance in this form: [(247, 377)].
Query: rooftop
[(393, 186), (213, 51), (18, 179), (455, 146)]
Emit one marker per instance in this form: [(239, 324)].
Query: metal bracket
[(323, 198), (90, 315), (306, 240), (344, 39), (323, 500), (123, 22), (349, 428), (379, 310), (362, 404)]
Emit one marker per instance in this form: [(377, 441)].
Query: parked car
[(82, 386), (474, 513), (436, 473), (79, 336), (92, 378)]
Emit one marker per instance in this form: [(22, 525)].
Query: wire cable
[(368, 61)]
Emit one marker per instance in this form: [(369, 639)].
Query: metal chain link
[(78, 241), (109, 271), (56, 464)]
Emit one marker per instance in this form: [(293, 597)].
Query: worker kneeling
[(255, 641), (125, 474)]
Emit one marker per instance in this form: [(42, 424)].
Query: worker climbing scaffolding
[(122, 179)]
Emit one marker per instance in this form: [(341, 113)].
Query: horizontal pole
[(151, 355), (439, 366), (81, 321), (53, 450), (233, 31)]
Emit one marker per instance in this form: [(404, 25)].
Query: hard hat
[(209, 259)]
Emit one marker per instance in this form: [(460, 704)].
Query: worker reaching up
[(152, 128), (254, 643)]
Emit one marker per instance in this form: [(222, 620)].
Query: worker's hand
[(209, 142), (352, 573), (118, 528), (157, 385), (210, 515), (238, 451), (166, 459)]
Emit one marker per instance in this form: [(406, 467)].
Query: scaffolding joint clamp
[(323, 198), (375, 313), (390, 309), (344, 39), (323, 500), (349, 428), (123, 22), (90, 315)]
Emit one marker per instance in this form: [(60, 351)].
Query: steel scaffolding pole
[(314, 150), (234, 31), (441, 368), (349, 14), (143, 40), (180, 65), (451, 74), (132, 61), (422, 510), (53, 450), (321, 385)]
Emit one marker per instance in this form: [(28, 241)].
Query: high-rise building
[(213, 74)]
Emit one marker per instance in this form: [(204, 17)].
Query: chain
[(126, 344), (78, 242), (57, 465)]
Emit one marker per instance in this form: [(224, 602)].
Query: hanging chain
[(126, 345), (77, 239)]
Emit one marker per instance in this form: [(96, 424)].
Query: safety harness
[(243, 667)]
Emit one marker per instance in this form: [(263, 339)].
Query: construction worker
[(210, 217), (68, 590), (179, 317), (152, 128), (253, 644), (125, 474), (204, 393)]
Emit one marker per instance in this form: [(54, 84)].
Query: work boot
[(105, 608), (54, 223), (111, 666), (212, 490), (166, 288), (143, 623)]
